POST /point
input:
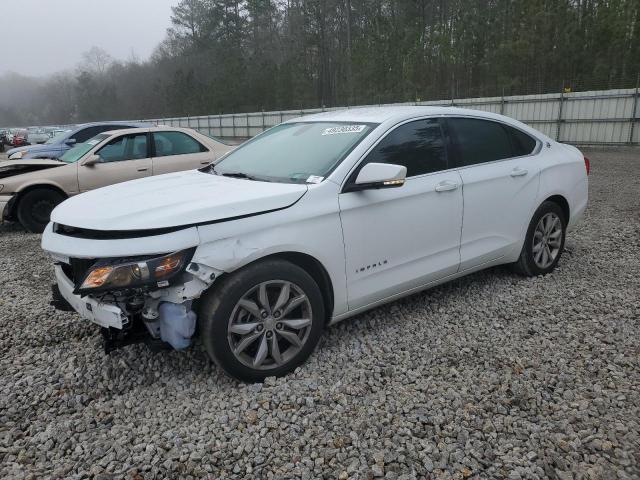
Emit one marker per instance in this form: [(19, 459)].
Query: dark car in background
[(3, 138), (58, 145)]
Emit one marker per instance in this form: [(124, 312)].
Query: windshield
[(57, 138), (302, 152), (78, 151)]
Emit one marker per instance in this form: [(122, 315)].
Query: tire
[(34, 208), (236, 337), (532, 261)]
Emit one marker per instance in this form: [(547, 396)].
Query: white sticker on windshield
[(92, 142), (314, 179), (344, 129)]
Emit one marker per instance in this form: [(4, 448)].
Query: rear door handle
[(446, 186), (518, 172), (143, 169)]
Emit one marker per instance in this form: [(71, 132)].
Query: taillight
[(587, 165)]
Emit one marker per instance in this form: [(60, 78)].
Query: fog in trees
[(225, 56)]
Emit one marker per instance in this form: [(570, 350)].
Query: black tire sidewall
[(218, 304), (29, 200), (546, 207)]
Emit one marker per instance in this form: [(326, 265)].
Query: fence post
[(502, 103), (220, 125), (264, 127), (233, 122), (634, 113), (560, 115), (248, 130)]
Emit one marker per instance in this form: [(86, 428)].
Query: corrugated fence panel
[(594, 117)]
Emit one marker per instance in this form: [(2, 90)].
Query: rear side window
[(522, 143), (126, 147), (418, 145), (481, 141), (176, 143)]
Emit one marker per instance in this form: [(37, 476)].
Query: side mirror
[(379, 175), (91, 161), (70, 141)]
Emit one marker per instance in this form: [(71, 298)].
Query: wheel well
[(317, 271), (563, 204), (16, 199), (314, 268)]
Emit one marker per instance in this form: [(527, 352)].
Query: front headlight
[(123, 274), (16, 156)]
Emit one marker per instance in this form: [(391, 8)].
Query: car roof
[(147, 128), (124, 123), (396, 114), (399, 113)]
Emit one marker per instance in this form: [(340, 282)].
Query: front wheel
[(263, 320), (544, 242), (35, 207)]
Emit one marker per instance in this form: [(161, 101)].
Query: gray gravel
[(489, 376)]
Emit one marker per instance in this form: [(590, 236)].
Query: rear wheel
[(35, 207), (544, 242), (264, 320)]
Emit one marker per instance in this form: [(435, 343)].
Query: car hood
[(11, 168), (174, 200), (34, 148)]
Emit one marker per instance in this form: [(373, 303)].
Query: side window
[(87, 133), (418, 145), (479, 141), (175, 143), (522, 143), (126, 147)]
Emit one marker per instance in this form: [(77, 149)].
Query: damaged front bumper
[(104, 314), (160, 317), (4, 206)]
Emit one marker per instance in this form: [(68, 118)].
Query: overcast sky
[(39, 37)]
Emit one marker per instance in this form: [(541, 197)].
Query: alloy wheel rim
[(270, 324), (547, 240)]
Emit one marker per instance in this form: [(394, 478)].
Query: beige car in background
[(30, 189)]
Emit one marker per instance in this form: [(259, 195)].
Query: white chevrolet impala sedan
[(309, 223)]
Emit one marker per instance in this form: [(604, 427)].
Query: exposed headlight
[(17, 156), (123, 274)]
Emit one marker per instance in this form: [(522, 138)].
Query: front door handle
[(518, 172), (446, 186), (205, 163), (143, 169)]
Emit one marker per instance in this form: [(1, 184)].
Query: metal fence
[(605, 117)]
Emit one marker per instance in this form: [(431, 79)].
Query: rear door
[(126, 157), (500, 175), (175, 151)]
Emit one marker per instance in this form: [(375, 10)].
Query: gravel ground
[(493, 376)]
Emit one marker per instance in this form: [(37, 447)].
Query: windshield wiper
[(237, 175)]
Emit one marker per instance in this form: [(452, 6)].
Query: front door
[(400, 238), (123, 158)]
